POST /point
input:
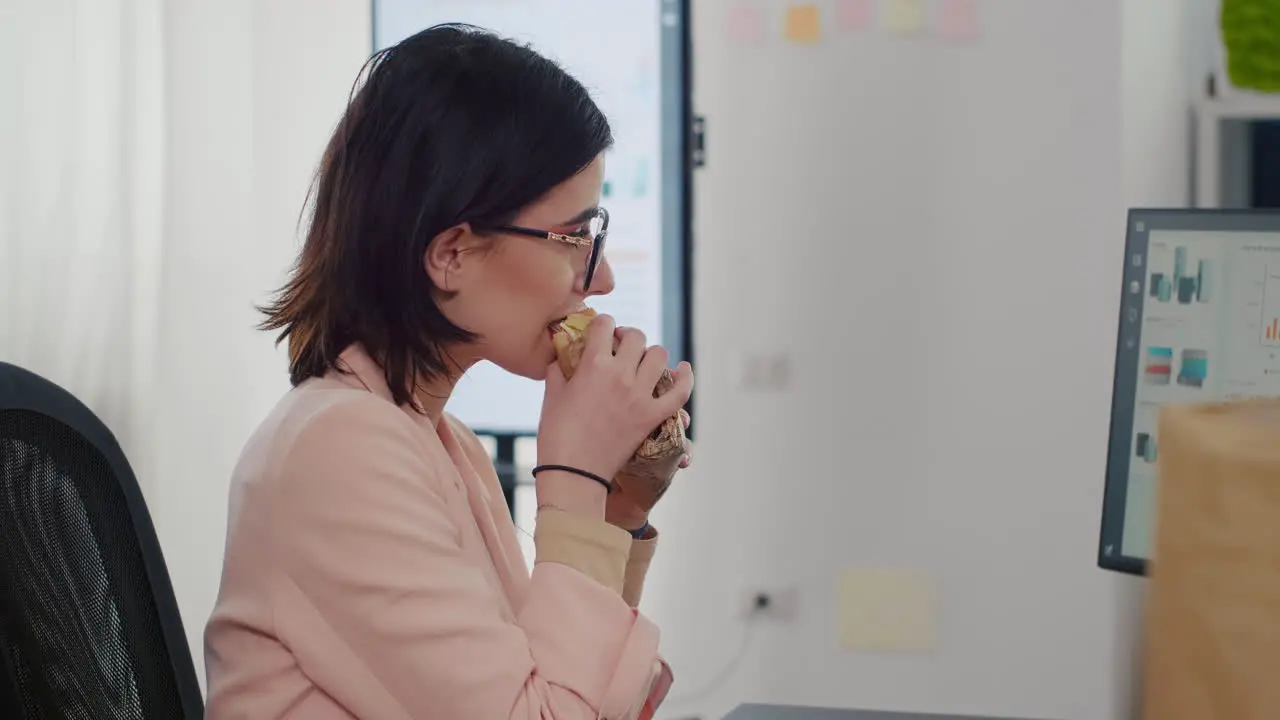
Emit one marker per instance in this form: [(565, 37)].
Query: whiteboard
[(630, 56)]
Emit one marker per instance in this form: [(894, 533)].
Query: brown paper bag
[(1212, 646)]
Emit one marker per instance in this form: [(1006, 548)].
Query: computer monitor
[(633, 55), (1199, 322)]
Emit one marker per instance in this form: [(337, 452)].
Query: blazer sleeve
[(367, 537), (584, 545), (637, 568)]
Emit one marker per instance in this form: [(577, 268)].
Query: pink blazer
[(372, 571)]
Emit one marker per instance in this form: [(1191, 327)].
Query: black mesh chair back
[(89, 627)]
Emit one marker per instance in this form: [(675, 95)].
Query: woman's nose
[(602, 283)]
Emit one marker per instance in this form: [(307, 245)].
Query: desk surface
[(791, 712)]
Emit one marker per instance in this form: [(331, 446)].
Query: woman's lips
[(554, 326)]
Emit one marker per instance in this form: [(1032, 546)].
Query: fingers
[(630, 346), (687, 460), (651, 367), (599, 341), (673, 400), (555, 378)]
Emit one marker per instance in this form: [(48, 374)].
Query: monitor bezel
[(1139, 224)]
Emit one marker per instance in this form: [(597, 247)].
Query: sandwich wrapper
[(1212, 645), (647, 475)]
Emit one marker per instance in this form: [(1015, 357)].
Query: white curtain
[(81, 201)]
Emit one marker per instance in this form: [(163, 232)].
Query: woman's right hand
[(595, 421)]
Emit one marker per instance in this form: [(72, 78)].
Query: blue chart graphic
[(1159, 365), (1146, 448), (1187, 287), (1194, 368)]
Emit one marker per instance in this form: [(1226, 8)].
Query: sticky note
[(887, 610), (958, 20), (744, 25), (904, 17), (803, 24), (853, 14)]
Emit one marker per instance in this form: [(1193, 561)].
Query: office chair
[(89, 627)]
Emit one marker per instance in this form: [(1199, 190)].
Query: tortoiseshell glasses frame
[(595, 228)]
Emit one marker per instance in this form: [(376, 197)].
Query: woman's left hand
[(623, 511)]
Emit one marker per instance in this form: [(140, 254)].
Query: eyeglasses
[(594, 228)]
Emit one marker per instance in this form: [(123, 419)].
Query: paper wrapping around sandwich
[(1212, 647), (647, 476)]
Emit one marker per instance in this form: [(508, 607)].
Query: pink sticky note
[(744, 25), (853, 14), (958, 19)]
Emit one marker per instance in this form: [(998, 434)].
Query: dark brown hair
[(451, 125)]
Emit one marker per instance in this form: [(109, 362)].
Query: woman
[(372, 568)]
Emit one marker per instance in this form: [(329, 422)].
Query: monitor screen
[(1199, 321), (632, 56)]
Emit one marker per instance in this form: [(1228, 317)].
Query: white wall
[(1166, 54), (951, 257), (1204, 51), (255, 88), (935, 231)]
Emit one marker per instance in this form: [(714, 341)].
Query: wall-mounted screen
[(633, 57)]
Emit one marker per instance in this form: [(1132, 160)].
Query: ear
[(450, 257)]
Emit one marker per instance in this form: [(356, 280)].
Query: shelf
[(1240, 107), (1230, 103)]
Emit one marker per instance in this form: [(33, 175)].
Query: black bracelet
[(576, 471)]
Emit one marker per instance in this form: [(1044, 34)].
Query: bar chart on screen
[(1184, 280), (1270, 306)]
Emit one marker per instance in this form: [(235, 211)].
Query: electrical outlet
[(771, 602), (761, 372)]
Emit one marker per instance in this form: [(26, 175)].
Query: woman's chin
[(533, 368), (539, 374), (532, 365)]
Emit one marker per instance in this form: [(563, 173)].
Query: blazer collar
[(358, 369)]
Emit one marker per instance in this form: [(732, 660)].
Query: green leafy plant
[(1251, 36)]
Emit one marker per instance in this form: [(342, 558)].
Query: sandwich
[(647, 475)]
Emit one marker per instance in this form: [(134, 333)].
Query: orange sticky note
[(853, 14), (904, 17), (804, 24), (958, 20)]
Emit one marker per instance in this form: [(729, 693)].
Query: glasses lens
[(596, 225), (598, 228), (597, 252)]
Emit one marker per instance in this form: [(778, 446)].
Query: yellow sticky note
[(904, 17), (888, 610), (804, 24)]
